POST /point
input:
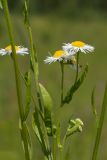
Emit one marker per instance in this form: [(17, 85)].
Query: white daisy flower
[(59, 56), (76, 46), (19, 50)]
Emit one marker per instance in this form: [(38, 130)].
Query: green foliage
[(8, 105), (42, 116), (26, 141), (36, 126), (28, 94), (100, 125), (75, 87), (47, 103), (41, 133)]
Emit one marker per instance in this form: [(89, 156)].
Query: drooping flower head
[(59, 56), (76, 46), (19, 50)]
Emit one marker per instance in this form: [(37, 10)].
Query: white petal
[(3, 52), (23, 49), (52, 59), (22, 53)]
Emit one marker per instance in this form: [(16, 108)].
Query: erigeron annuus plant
[(43, 118)]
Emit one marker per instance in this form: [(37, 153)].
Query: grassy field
[(49, 34)]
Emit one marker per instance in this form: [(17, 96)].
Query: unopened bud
[(79, 122)]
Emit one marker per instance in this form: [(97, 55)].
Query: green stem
[(35, 66), (32, 96), (58, 135), (76, 78), (54, 147), (62, 82), (36, 76), (34, 63), (100, 125), (18, 84), (61, 154)]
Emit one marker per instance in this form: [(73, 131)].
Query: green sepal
[(75, 87)]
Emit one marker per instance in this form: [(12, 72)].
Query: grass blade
[(100, 125)]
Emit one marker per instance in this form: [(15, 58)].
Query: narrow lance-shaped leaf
[(75, 87), (41, 133), (100, 125), (47, 101), (28, 94), (35, 125), (25, 139)]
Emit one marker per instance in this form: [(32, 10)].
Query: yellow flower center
[(58, 54), (78, 44), (9, 48)]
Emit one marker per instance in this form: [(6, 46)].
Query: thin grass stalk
[(100, 125), (59, 115), (18, 84)]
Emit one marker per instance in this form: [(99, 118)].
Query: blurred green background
[(55, 22)]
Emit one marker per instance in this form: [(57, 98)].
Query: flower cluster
[(68, 52)]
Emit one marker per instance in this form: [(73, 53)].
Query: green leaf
[(28, 94), (93, 103), (75, 87), (41, 133), (26, 141), (36, 130), (100, 125), (47, 101)]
